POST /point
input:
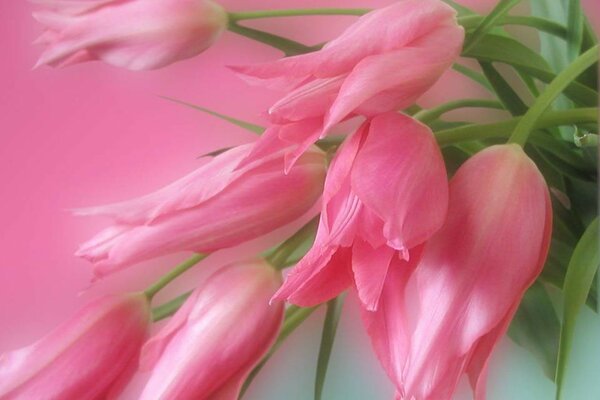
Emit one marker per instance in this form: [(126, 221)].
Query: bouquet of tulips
[(450, 233)]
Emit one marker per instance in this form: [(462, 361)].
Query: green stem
[(240, 16), (435, 112), (289, 47), (169, 308), (503, 129), (151, 291), (528, 123)]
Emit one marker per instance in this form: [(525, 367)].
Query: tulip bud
[(133, 34), (449, 311), (217, 206), (212, 343), (89, 357), (386, 193)]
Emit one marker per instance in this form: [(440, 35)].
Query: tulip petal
[(399, 174), (370, 268)]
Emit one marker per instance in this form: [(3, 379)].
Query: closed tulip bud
[(215, 207), (89, 357), (132, 34), (212, 343), (443, 317)]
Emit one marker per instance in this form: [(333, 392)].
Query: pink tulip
[(209, 347), (386, 193), (90, 357), (443, 317), (133, 34), (383, 62), (215, 207)]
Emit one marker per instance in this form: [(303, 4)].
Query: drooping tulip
[(133, 34), (386, 193), (383, 62), (215, 207), (442, 318), (89, 357), (211, 344)]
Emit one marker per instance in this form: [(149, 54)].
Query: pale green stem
[(169, 308), (245, 15), (278, 258), (435, 112), (151, 291), (504, 128), (528, 122)]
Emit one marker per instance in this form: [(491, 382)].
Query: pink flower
[(92, 356), (212, 343), (386, 192), (383, 62), (133, 34), (217, 206), (443, 317)]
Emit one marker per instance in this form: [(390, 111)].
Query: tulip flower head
[(215, 207), (211, 344), (133, 34), (443, 317), (383, 62), (386, 193), (89, 357)]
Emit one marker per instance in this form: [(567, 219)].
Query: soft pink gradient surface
[(93, 134)]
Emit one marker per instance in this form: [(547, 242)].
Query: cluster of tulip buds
[(439, 264)]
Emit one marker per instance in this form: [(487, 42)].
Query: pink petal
[(399, 174), (370, 268)]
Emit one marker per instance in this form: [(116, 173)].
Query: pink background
[(92, 134)]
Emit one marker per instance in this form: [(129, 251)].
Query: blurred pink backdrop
[(93, 134)]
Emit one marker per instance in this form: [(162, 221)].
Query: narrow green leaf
[(238, 122), (474, 76), (332, 318), (167, 309), (574, 29), (578, 281), (287, 46), (555, 88), (470, 22), (509, 98), (489, 22), (496, 48), (535, 327)]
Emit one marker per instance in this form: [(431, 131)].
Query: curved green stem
[(503, 129), (528, 123), (151, 291), (279, 257), (435, 112), (245, 15), (488, 22)]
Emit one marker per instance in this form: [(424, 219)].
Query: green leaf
[(332, 318), (470, 22), (535, 327), (167, 309), (578, 281), (294, 317), (509, 98), (287, 46), (489, 22), (555, 88), (238, 122), (474, 76), (574, 29), (496, 48)]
